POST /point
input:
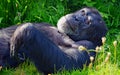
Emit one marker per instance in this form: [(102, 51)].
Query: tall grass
[(19, 11), (106, 61)]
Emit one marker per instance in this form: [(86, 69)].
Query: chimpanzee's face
[(78, 24)]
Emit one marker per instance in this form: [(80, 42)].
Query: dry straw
[(0, 68), (91, 60)]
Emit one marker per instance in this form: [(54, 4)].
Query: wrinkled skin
[(85, 24), (42, 43)]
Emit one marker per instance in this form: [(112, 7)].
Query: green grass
[(99, 67), (19, 11)]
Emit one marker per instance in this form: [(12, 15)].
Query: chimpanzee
[(44, 53), (6, 33), (50, 48), (84, 24)]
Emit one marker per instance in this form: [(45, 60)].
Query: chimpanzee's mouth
[(73, 28)]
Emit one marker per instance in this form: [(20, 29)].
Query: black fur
[(49, 47), (6, 33), (46, 55), (85, 24)]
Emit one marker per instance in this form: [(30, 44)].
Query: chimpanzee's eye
[(83, 12)]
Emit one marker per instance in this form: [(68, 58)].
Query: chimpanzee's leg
[(46, 55)]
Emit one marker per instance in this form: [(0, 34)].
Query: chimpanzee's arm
[(45, 54)]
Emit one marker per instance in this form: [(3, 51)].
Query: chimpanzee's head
[(84, 24)]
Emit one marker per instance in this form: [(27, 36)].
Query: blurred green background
[(18, 11)]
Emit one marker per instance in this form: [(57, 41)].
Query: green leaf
[(8, 1), (1, 18), (113, 0), (89, 3)]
